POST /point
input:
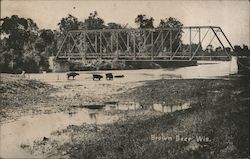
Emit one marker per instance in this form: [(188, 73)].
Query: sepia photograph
[(124, 79)]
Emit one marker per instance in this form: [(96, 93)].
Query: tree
[(40, 45), (47, 35), (170, 23), (13, 23), (49, 38), (144, 22), (237, 49), (218, 49), (82, 26), (245, 47), (30, 61), (210, 48), (19, 31), (46, 45), (24, 47), (94, 22), (227, 49), (58, 39), (68, 23), (114, 26), (242, 51), (20, 34), (177, 31), (194, 47)]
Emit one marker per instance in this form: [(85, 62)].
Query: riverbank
[(21, 97), (44, 94), (219, 116)]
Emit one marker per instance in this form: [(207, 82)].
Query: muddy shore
[(219, 114)]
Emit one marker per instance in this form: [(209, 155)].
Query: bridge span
[(159, 44)]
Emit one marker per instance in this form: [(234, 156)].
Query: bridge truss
[(168, 44)]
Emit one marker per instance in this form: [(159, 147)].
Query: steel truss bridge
[(168, 44)]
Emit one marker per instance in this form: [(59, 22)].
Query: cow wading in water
[(97, 77), (72, 74), (109, 76)]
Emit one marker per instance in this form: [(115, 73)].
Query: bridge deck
[(162, 58)]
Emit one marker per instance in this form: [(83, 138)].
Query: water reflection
[(29, 128), (168, 109), (124, 105), (93, 115)]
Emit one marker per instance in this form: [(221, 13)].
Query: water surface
[(27, 129)]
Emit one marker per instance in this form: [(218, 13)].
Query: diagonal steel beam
[(172, 56), (119, 35), (226, 38), (199, 45), (108, 45), (60, 49), (220, 42), (164, 39), (158, 36), (145, 39), (75, 44), (91, 44)]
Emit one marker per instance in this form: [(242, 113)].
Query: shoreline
[(207, 98)]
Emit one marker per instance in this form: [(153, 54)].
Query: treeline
[(23, 46), (26, 47), (242, 51)]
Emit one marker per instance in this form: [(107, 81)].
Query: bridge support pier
[(58, 66)]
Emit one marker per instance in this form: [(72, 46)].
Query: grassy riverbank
[(20, 96), (219, 115)]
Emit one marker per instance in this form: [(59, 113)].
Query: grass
[(220, 111), (19, 95)]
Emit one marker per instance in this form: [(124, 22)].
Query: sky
[(232, 16)]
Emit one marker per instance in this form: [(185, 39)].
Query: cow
[(97, 76), (73, 74), (109, 76), (119, 76)]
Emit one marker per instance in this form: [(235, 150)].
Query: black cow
[(109, 76), (119, 76), (73, 74), (97, 76)]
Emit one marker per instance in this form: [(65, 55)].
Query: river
[(25, 130)]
